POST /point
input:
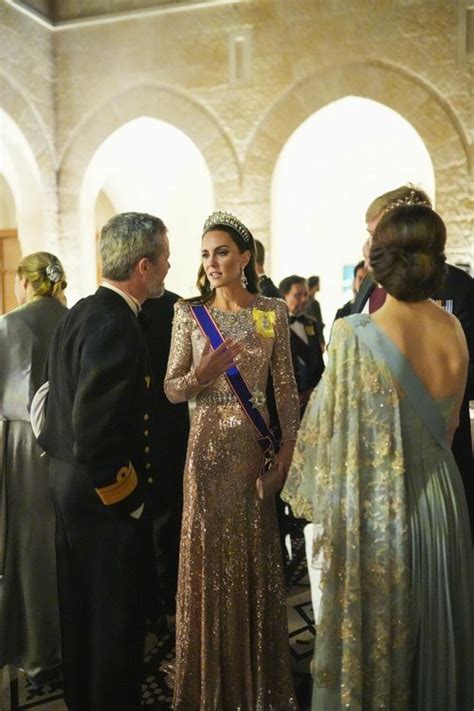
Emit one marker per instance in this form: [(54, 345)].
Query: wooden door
[(10, 255)]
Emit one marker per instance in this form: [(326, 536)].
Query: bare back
[(433, 342)]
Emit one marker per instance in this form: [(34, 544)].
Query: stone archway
[(407, 94), (168, 105), (29, 150)]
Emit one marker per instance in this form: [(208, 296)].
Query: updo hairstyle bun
[(45, 274), (407, 254)]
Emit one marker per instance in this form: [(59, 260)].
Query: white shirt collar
[(133, 303), (298, 328)]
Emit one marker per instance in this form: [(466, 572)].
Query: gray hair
[(127, 238)]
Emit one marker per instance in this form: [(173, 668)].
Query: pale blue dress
[(393, 533)]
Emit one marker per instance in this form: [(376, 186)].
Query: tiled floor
[(17, 694)]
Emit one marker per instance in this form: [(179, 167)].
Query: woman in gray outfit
[(29, 623)]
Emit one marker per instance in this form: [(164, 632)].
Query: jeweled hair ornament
[(412, 199), (54, 273), (228, 220)]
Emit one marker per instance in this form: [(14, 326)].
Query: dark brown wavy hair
[(407, 253), (203, 284)]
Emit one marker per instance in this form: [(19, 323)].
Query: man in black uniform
[(306, 352), (265, 284), (360, 272), (100, 433), (313, 307), (171, 442)]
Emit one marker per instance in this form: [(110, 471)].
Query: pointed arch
[(409, 95), (167, 104)]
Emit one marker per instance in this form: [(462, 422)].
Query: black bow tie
[(300, 318)]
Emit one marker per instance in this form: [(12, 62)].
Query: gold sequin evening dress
[(232, 637)]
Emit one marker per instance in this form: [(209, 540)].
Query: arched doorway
[(328, 172), (148, 165), (20, 170), (22, 206), (178, 109), (104, 210), (10, 252)]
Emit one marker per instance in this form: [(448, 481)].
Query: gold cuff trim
[(127, 482)]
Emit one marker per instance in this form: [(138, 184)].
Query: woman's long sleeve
[(181, 383), (284, 385)]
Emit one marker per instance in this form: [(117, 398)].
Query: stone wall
[(27, 95), (299, 55)]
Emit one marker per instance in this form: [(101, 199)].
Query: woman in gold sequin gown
[(232, 637)]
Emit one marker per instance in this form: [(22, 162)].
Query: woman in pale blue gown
[(374, 471)]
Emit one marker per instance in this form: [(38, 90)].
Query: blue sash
[(236, 380)]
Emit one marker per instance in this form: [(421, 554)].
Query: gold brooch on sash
[(258, 400)]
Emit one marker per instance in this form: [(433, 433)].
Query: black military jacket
[(99, 414), (268, 288), (172, 419)]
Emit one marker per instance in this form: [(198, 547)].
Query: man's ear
[(141, 267)]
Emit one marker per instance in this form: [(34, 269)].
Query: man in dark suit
[(457, 296), (313, 307), (267, 288), (265, 284), (360, 272), (306, 352), (308, 366), (171, 442), (100, 433)]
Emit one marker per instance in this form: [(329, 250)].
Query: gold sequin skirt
[(232, 648)]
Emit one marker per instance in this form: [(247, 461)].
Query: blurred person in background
[(360, 272), (313, 307), (265, 284), (29, 617), (306, 352)]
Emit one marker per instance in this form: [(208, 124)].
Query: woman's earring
[(243, 279)]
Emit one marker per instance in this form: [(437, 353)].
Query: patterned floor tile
[(17, 694)]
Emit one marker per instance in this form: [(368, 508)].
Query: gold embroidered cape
[(347, 477)]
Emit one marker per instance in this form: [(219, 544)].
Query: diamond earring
[(243, 279)]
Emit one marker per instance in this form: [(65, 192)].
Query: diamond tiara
[(229, 220), (411, 199)]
